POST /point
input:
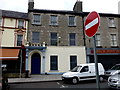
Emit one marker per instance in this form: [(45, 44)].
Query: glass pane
[(73, 62), (35, 37), (19, 40), (21, 24), (72, 35), (36, 19), (71, 20), (54, 63), (53, 20), (53, 35)]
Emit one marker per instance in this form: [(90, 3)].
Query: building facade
[(13, 26), (13, 33), (56, 38)]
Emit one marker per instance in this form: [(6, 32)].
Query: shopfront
[(107, 56), (13, 60)]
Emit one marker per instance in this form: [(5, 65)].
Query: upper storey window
[(20, 24), (71, 21), (111, 22), (53, 20), (36, 19)]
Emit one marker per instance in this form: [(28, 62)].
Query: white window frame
[(70, 44), (21, 40), (98, 40), (111, 22), (19, 24), (113, 40), (55, 22), (38, 22), (74, 21), (38, 37)]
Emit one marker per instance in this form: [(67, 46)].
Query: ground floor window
[(73, 62), (53, 62)]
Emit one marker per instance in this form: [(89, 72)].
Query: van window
[(76, 69), (84, 69)]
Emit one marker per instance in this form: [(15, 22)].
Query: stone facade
[(62, 29)]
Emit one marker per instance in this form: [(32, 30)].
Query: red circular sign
[(92, 23)]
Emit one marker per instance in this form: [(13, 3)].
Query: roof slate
[(14, 14), (71, 12)]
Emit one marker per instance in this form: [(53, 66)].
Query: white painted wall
[(64, 53)]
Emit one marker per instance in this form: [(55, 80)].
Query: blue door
[(35, 64)]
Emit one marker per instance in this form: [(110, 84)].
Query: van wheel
[(74, 80), (101, 79)]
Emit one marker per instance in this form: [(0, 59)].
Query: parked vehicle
[(83, 72), (115, 69), (114, 81)]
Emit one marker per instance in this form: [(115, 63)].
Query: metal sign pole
[(96, 64), (21, 64)]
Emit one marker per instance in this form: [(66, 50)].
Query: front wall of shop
[(107, 56), (63, 53)]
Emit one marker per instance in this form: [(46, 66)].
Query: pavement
[(35, 78)]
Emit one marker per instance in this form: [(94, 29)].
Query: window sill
[(36, 24), (53, 25), (114, 47), (54, 70), (99, 46), (71, 25), (112, 27)]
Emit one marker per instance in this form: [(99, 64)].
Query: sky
[(101, 6)]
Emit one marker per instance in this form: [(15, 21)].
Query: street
[(58, 84)]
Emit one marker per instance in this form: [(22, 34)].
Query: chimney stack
[(31, 4), (78, 6)]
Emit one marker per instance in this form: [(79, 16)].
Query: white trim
[(95, 21)]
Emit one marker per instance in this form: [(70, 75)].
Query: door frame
[(30, 57), (34, 61)]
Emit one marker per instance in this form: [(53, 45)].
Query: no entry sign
[(92, 23)]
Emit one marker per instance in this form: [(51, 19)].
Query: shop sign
[(105, 51)]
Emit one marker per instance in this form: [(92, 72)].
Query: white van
[(83, 72)]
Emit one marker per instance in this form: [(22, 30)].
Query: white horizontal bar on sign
[(95, 21)]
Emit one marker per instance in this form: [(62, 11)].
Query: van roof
[(87, 64)]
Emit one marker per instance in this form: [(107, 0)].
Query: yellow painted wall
[(8, 38), (9, 22)]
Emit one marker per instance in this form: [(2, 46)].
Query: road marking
[(62, 86), (58, 83), (89, 25)]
